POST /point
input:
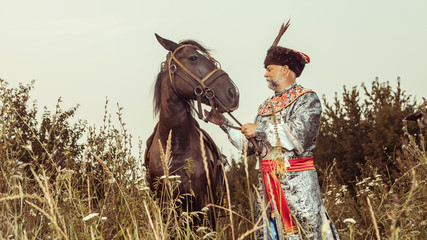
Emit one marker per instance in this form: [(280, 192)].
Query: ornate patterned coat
[(297, 112)]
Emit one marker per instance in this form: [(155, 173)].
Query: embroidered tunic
[(297, 112)]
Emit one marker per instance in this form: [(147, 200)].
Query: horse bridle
[(201, 89), (202, 85)]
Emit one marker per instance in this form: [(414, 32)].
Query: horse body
[(174, 93), (185, 151)]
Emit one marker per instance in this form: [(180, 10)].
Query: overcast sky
[(86, 51)]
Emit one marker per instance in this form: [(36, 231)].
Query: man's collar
[(286, 89)]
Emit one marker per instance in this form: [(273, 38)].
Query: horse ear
[(167, 44)]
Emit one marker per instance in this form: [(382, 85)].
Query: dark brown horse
[(189, 74)]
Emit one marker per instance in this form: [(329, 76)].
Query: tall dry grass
[(54, 184), (57, 187), (376, 207)]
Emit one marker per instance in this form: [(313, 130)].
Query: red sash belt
[(269, 168)]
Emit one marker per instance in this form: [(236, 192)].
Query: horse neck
[(175, 115)]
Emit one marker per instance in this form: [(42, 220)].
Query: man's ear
[(285, 69)]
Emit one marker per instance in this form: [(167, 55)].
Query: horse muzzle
[(227, 100)]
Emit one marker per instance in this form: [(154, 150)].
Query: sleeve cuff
[(260, 132), (224, 127)]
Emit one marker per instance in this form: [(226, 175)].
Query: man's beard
[(272, 84)]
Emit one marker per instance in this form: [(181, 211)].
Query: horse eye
[(193, 58)]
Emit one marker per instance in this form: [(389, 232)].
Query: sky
[(88, 51)]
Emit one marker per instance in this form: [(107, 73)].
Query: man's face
[(274, 76)]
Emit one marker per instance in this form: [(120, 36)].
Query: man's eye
[(193, 58)]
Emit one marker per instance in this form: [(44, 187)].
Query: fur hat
[(277, 55)]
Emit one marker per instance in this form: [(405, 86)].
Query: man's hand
[(216, 117), (249, 130)]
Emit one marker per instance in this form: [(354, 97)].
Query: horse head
[(195, 75)]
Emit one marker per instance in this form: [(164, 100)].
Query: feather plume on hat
[(277, 55), (282, 30)]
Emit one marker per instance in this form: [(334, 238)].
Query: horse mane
[(158, 85), (192, 42), (157, 94)]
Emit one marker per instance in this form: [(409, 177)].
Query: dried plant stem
[(395, 215), (231, 212), (165, 157), (245, 161), (205, 165), (264, 208), (151, 221), (88, 193), (253, 230), (52, 219), (21, 196), (51, 202), (229, 201), (91, 233), (377, 232), (104, 166)]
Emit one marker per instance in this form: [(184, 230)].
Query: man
[(286, 126)]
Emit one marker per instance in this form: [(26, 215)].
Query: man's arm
[(298, 130), (236, 137)]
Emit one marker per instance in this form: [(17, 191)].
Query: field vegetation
[(62, 178)]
